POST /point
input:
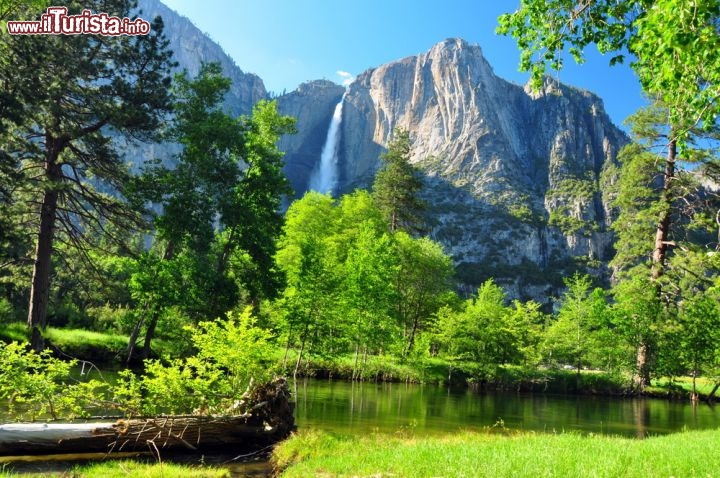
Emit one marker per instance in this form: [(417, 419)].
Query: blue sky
[(287, 42)]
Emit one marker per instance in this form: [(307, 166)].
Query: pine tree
[(397, 186), (676, 52), (663, 229), (73, 91)]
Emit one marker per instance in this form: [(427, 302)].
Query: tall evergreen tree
[(73, 91), (677, 59), (664, 228), (397, 186)]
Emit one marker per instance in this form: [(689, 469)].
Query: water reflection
[(366, 407)]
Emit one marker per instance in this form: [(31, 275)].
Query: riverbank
[(505, 378), (107, 351), (116, 468), (498, 453)]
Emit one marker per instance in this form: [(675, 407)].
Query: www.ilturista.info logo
[(56, 21)]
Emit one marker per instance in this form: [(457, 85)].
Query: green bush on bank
[(107, 350)]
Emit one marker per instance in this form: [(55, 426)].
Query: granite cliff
[(516, 181), (192, 48), (514, 178)]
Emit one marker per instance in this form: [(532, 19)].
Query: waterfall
[(325, 175)]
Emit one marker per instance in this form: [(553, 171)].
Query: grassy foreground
[(126, 468), (688, 454)]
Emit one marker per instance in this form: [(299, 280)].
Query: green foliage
[(522, 212), (489, 333), (254, 220), (238, 347), (220, 209), (66, 94), (638, 313), (691, 342), (423, 283), (663, 240), (36, 385), (113, 319), (638, 203), (674, 44), (574, 188), (231, 355), (7, 314), (353, 286), (677, 47), (563, 219), (366, 293), (581, 333), (397, 185), (9, 8)]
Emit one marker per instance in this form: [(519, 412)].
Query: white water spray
[(325, 175)]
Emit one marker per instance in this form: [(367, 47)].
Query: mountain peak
[(456, 44), (501, 165)]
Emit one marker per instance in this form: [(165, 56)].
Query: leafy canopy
[(674, 45)]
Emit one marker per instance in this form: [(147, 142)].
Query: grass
[(681, 386), (162, 470), (383, 368), (129, 468), (484, 454), (14, 332), (76, 338), (101, 348)]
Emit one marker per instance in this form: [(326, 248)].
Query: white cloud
[(347, 77)]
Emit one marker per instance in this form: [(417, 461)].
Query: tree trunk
[(154, 317), (663, 229), (40, 288), (269, 419), (150, 333), (132, 342), (302, 349), (662, 234), (641, 379), (411, 338)]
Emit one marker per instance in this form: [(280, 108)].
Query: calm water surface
[(423, 409)]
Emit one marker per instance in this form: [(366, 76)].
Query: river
[(361, 408), (416, 410)]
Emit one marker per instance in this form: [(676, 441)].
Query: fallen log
[(268, 421)]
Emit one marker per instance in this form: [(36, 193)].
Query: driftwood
[(268, 421)]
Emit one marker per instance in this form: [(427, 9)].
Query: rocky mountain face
[(192, 48), (516, 181), (312, 104)]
